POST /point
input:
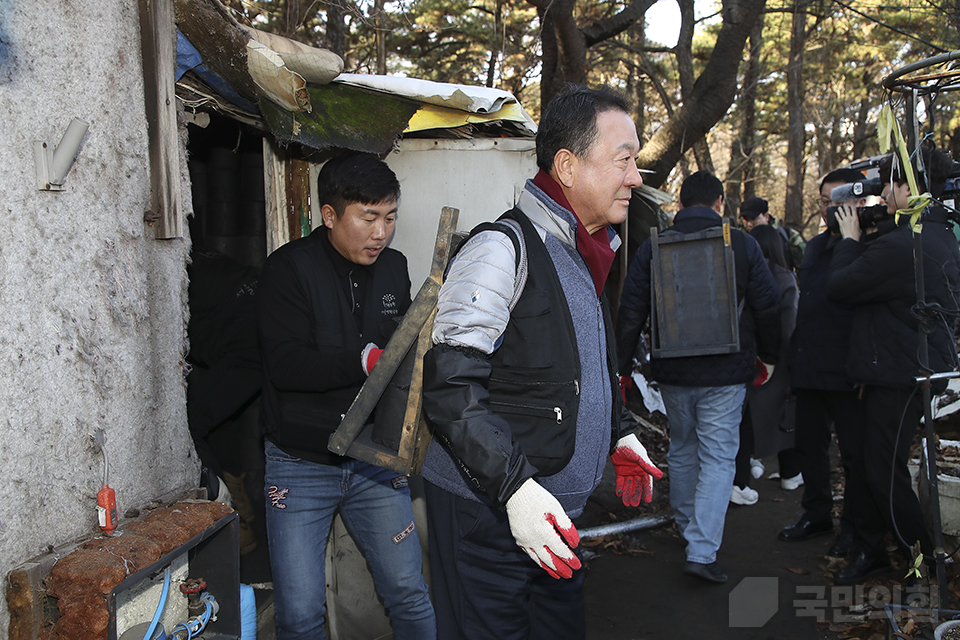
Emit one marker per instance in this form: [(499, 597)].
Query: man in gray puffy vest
[(522, 388)]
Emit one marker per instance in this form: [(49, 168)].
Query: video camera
[(868, 215)]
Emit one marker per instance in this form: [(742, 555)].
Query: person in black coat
[(327, 304), (825, 393), (768, 412), (878, 278)]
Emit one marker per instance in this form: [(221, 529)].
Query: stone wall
[(92, 307)]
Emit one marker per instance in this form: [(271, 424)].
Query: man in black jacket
[(878, 278), (327, 304), (825, 394), (704, 394)]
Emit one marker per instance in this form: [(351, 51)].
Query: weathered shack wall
[(92, 307)]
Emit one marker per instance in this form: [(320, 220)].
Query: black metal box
[(694, 294), (213, 555)]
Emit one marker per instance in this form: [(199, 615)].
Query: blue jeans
[(302, 498), (704, 439)]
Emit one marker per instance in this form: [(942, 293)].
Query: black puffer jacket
[(878, 277), (755, 287)]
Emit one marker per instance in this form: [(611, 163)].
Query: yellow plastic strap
[(889, 131), (915, 207)]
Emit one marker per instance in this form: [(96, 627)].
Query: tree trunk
[(290, 18), (495, 43), (740, 178), (636, 78), (796, 138), (862, 131), (336, 30), (712, 93), (380, 23), (684, 53), (564, 45)]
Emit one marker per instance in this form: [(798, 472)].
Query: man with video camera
[(875, 273), (825, 394)]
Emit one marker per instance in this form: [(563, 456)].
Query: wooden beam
[(158, 38), (415, 330), (287, 188)]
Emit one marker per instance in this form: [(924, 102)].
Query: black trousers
[(816, 411), (892, 419), (485, 587), (787, 459)]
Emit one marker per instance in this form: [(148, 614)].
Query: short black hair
[(701, 188), (356, 177), (937, 165), (570, 121), (845, 176), (771, 243)]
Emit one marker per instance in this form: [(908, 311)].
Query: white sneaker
[(789, 484), (745, 496), (756, 468)]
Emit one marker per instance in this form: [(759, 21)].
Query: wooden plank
[(414, 331), (298, 197), (287, 194), (275, 195), (403, 338), (423, 433), (158, 40), (26, 598), (415, 398)]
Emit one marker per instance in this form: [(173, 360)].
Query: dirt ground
[(776, 590)]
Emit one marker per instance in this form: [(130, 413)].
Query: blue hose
[(163, 600), (194, 626)]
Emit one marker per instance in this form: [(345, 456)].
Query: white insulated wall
[(92, 307), (482, 178)]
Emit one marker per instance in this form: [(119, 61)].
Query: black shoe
[(709, 572), (805, 529), (861, 567), (842, 546)]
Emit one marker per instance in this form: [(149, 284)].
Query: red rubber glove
[(635, 472), (543, 530), (369, 356), (626, 382), (764, 373)]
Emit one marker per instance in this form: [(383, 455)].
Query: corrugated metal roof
[(300, 98)]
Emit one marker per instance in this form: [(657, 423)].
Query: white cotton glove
[(543, 530), (369, 356), (635, 472)]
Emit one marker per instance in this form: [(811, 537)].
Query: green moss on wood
[(343, 117)]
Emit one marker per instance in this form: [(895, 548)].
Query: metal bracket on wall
[(54, 164)]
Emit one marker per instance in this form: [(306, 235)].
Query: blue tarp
[(189, 59)]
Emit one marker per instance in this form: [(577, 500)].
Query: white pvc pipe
[(66, 152)]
